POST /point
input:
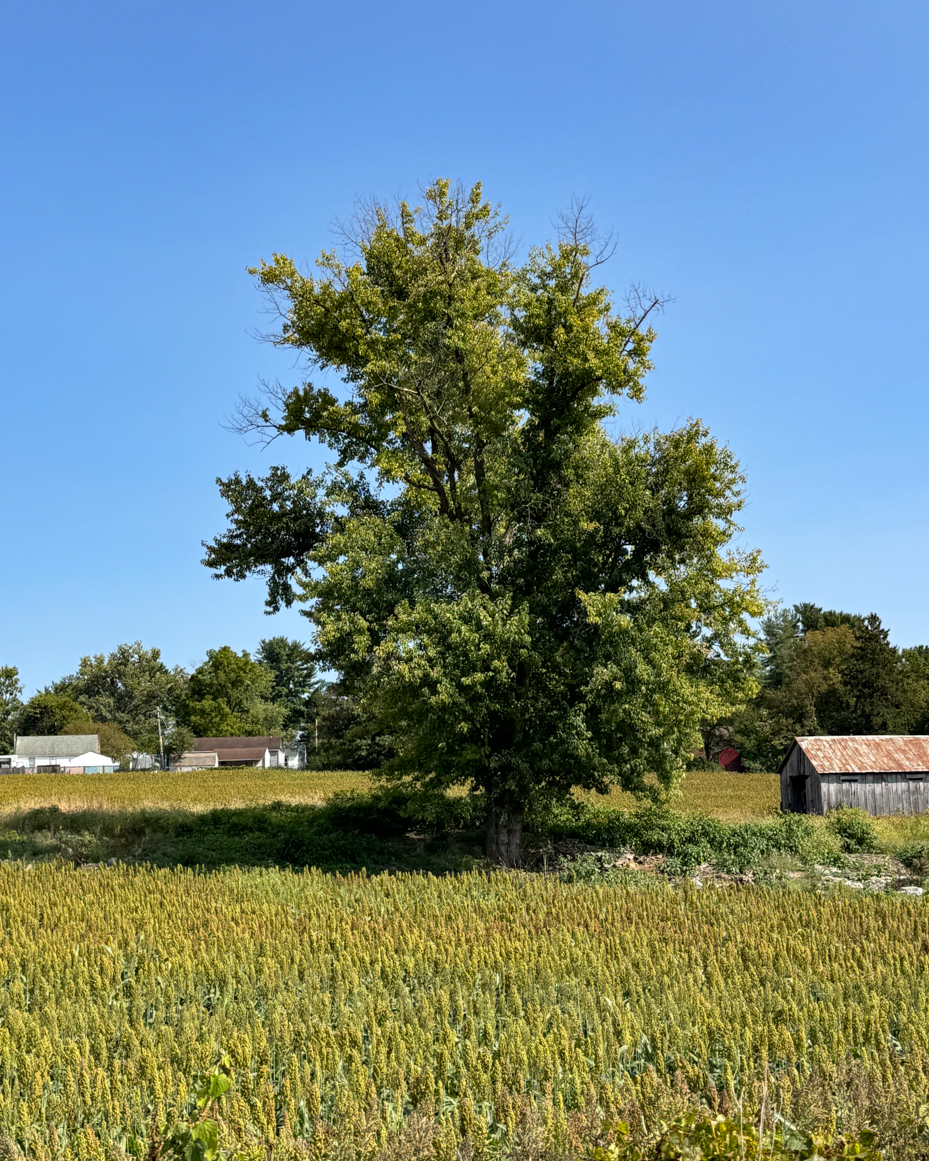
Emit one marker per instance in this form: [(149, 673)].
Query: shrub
[(915, 857), (687, 840), (854, 829)]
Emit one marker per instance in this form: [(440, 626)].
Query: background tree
[(522, 602), (127, 687), (230, 694), (349, 737), (829, 672), (812, 696), (11, 705), (178, 739), (297, 684), (48, 713), (915, 661), (881, 694)]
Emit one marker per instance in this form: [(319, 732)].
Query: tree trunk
[(505, 837)]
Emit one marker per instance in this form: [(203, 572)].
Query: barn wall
[(815, 790), (877, 793)]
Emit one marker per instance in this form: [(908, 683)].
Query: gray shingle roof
[(56, 746)]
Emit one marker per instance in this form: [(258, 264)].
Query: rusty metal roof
[(266, 742), (868, 754)]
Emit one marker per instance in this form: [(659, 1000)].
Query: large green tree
[(48, 713), (128, 687), (525, 600), (297, 684), (230, 694)]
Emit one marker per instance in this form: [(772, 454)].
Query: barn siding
[(786, 770), (876, 793)]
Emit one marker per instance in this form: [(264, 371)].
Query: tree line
[(121, 696), (824, 671)]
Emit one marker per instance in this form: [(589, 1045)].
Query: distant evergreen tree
[(11, 692), (879, 698), (297, 683), (781, 634)]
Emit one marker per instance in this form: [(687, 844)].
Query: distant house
[(266, 752), (294, 755), (882, 774), (55, 752)]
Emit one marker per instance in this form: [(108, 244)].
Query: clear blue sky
[(764, 163)]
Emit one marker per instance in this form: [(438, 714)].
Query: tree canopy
[(48, 713), (230, 694), (828, 672), (523, 600), (126, 687), (296, 684)]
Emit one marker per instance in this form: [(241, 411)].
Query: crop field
[(722, 794), (187, 790), (409, 1017), (719, 793), (396, 1016)]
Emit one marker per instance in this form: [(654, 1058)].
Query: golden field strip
[(722, 794), (184, 790)]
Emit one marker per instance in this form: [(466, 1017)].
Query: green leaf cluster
[(230, 694), (697, 1137)]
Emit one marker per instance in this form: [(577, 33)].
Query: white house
[(58, 750)]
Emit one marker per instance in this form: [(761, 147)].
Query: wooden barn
[(881, 774)]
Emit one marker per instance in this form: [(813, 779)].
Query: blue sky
[(766, 164)]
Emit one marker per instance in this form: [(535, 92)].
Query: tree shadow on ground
[(349, 833)]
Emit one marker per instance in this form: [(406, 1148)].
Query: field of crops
[(401, 1016), (187, 790), (721, 793)]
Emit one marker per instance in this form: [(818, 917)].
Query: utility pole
[(161, 741)]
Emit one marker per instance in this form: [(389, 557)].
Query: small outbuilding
[(242, 751), (882, 774), (90, 763)]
